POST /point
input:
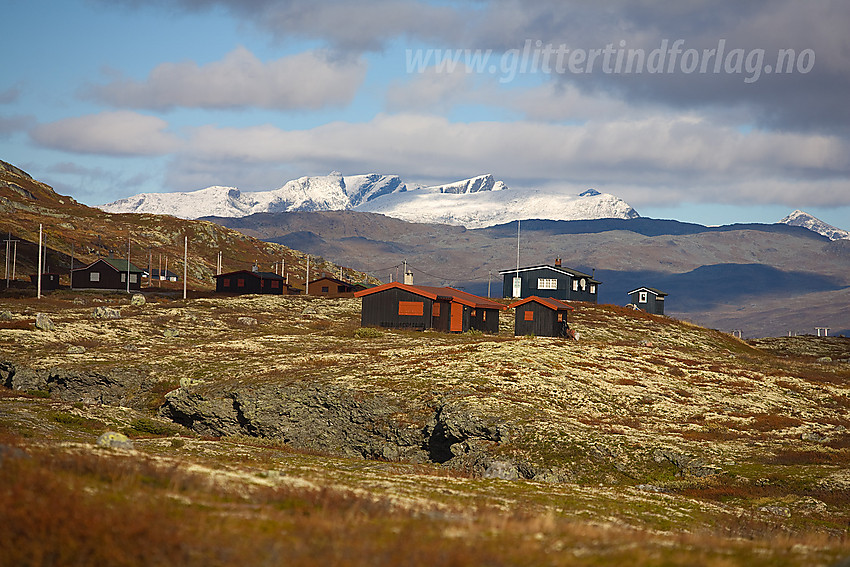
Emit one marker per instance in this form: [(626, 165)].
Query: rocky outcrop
[(125, 386), (333, 419)]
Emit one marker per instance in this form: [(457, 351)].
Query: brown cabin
[(541, 317), (327, 286), (107, 273), (246, 281), (402, 306)]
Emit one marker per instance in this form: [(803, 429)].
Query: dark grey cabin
[(553, 281), (402, 306), (541, 317), (107, 273), (648, 299), (245, 281)]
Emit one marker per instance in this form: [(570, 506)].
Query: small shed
[(542, 317), (403, 306), (164, 275), (327, 286), (107, 273), (49, 281), (648, 299), (247, 281)]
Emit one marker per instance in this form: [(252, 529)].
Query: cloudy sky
[(699, 110)]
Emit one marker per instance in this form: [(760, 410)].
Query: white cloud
[(309, 80), (681, 153), (109, 133)]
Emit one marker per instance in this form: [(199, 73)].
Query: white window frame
[(547, 283), (123, 277), (94, 276), (592, 288), (643, 297), (134, 278), (575, 285)]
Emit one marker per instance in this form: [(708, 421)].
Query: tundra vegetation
[(304, 440)]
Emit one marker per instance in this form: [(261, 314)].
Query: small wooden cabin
[(165, 275), (49, 281), (327, 286), (107, 273), (402, 306), (247, 281), (541, 317), (648, 299), (555, 281)]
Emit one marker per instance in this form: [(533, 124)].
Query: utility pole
[(9, 244), (128, 261), (307, 281), (72, 266), (489, 277), (39, 262), (185, 263)]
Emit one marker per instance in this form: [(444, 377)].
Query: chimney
[(408, 278), (557, 262), (255, 268)]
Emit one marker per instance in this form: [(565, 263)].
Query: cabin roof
[(260, 275), (116, 264), (435, 293), (559, 269), (550, 302), (651, 290)]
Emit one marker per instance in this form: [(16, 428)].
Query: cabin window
[(94, 276), (341, 289), (472, 313), (575, 285), (225, 282), (240, 282), (560, 317), (275, 284), (592, 288), (435, 310), (484, 315), (529, 316), (325, 289), (413, 308), (123, 277), (642, 298), (134, 278), (583, 283), (547, 283)]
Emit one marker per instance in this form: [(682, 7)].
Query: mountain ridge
[(475, 202)]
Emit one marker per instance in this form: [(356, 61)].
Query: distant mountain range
[(476, 202)]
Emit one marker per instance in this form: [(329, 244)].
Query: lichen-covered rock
[(113, 440), (137, 300), (103, 312), (43, 322), (76, 349), (247, 321)]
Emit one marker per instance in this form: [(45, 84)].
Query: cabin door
[(456, 323)]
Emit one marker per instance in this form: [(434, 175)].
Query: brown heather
[(613, 413)]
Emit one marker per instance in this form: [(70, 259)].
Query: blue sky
[(108, 98)]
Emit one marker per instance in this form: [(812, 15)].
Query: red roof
[(434, 293), (549, 302)]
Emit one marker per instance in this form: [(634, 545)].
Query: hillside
[(765, 280), (71, 228), (647, 442)]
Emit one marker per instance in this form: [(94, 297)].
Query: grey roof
[(560, 269), (651, 290)]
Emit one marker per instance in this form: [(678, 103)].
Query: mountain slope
[(328, 192), (801, 218), (465, 204), (71, 229)]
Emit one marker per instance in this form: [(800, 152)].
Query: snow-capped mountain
[(477, 202), (804, 219), (322, 193), (488, 202)]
